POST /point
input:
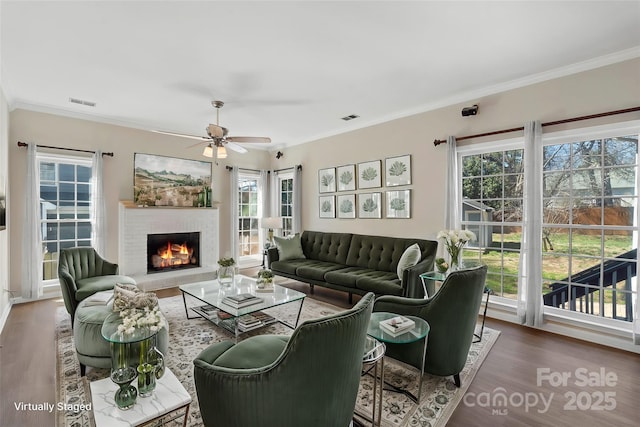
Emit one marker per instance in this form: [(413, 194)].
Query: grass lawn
[(586, 250)]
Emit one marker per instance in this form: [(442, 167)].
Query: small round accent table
[(419, 332)]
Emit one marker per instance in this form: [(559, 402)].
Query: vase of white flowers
[(454, 241), (139, 327), (227, 271)]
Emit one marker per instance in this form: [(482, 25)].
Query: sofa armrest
[(69, 288), (411, 282), (272, 255), (109, 267)]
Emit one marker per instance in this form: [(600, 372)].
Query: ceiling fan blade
[(243, 139), (207, 142), (235, 147), (184, 135)]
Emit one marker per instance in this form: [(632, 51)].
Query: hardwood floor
[(27, 367)]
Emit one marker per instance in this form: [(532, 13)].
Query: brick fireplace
[(136, 224)]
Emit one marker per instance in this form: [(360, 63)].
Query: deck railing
[(580, 295)]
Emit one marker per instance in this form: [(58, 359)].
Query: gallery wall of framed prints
[(384, 184)]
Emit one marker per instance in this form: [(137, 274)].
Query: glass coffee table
[(206, 301)]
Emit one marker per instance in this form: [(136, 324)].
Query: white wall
[(604, 89), (47, 129), (608, 88)]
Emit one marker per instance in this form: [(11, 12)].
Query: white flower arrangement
[(455, 240), (133, 319)]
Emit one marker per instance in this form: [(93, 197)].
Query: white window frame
[(54, 283), (476, 149), (282, 176), (248, 176), (580, 134), (576, 324)]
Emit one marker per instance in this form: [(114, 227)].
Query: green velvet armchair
[(310, 379), (82, 273), (452, 314)]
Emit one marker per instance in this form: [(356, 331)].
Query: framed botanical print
[(398, 204), (346, 206), (327, 207), (398, 170), (369, 205), (369, 174), (327, 180), (346, 177)]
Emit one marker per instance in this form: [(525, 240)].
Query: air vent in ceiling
[(82, 102), (350, 117)]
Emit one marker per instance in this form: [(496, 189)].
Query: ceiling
[(291, 70)]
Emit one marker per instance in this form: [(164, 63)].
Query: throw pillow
[(409, 258), (289, 248), (129, 296)]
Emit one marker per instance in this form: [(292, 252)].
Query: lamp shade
[(272, 222), (222, 152), (208, 151)]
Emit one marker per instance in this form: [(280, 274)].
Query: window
[(65, 197), (492, 209), (589, 211), (286, 203), (248, 216), (590, 198)]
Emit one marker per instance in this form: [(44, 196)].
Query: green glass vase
[(150, 368)]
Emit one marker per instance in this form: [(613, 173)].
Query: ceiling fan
[(217, 140)]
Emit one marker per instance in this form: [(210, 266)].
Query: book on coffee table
[(397, 325), (241, 300)]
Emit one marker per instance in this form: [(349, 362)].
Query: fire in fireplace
[(172, 251)]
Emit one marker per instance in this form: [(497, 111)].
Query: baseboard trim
[(583, 331)]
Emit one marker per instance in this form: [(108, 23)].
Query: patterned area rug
[(188, 337)]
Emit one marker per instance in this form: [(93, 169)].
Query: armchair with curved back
[(82, 273), (309, 379), (452, 313)]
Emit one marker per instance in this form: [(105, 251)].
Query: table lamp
[(271, 223)]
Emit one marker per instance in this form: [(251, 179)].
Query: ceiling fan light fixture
[(222, 152), (208, 151)]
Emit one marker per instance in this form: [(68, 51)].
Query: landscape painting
[(169, 181)]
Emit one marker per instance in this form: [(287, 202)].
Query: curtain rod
[(437, 142), (286, 169), (24, 144), (229, 168)]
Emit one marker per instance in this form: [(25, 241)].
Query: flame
[(183, 249), (167, 253), (174, 254)]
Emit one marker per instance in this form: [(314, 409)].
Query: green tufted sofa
[(356, 263)]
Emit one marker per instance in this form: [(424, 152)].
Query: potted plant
[(227, 270), (265, 279)]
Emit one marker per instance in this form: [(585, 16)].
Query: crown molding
[(468, 96)]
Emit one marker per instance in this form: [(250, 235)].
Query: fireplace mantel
[(136, 222)]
